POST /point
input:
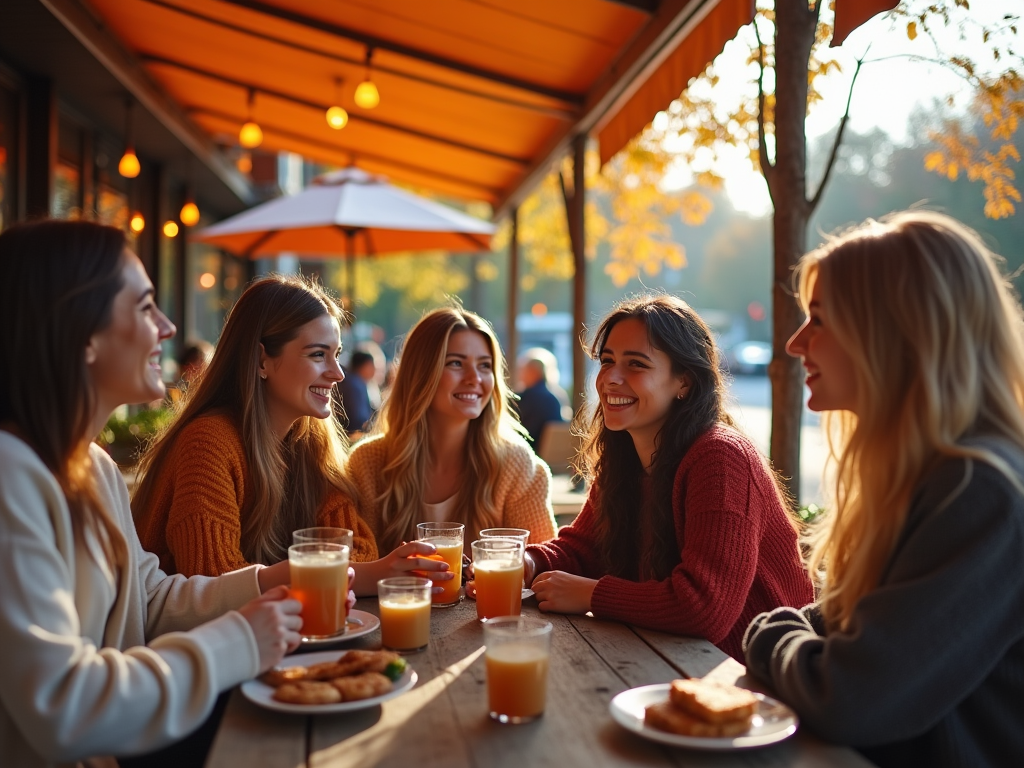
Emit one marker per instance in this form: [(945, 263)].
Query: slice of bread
[(713, 702), (666, 717)]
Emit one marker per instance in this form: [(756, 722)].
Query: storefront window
[(67, 191), (112, 207)]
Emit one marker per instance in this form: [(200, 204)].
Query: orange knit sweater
[(195, 526)]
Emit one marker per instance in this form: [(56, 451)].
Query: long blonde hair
[(403, 423), (936, 337), (289, 479)]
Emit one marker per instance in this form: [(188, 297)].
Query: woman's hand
[(274, 576), (408, 559), (562, 592), (275, 621)]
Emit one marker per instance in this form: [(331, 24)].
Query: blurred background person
[(359, 393), (193, 361), (541, 399)]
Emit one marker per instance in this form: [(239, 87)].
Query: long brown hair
[(936, 337), (609, 459), (60, 279), (289, 479), (403, 423)]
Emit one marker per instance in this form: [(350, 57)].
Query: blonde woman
[(255, 452), (914, 348), (445, 447), (103, 653)]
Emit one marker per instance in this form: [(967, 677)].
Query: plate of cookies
[(332, 681), (704, 715)]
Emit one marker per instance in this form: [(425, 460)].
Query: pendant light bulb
[(367, 95), (129, 166), (189, 214), (244, 163), (251, 135), (137, 222), (170, 228), (337, 118)]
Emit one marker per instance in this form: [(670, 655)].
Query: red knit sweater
[(738, 550)]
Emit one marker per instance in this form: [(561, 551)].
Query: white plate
[(773, 721), (260, 693), (359, 623)]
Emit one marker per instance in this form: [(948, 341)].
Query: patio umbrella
[(349, 213)]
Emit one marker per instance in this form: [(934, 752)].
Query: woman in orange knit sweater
[(255, 453), (445, 446)]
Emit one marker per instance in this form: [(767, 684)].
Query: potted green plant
[(124, 436)]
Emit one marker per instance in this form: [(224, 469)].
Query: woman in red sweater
[(685, 530)]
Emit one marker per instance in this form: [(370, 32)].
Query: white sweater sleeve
[(70, 691)]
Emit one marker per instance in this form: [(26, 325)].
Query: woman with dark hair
[(103, 653), (685, 529)]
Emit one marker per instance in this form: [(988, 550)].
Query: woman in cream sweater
[(103, 653), (445, 447)]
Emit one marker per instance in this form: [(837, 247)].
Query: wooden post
[(513, 295), (577, 232)]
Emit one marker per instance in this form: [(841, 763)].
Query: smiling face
[(636, 383), (298, 381), (830, 369), (467, 380), (124, 358)]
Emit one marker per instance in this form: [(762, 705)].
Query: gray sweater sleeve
[(947, 609)]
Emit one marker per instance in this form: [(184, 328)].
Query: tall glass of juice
[(498, 574), (325, 534), (517, 652), (319, 576), (447, 538), (404, 613)]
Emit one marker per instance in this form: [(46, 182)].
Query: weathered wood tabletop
[(443, 721)]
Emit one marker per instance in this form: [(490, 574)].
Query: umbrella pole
[(350, 262)]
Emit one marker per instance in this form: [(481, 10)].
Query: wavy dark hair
[(608, 459), (60, 279)]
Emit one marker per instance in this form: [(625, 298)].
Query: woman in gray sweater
[(103, 653), (914, 653)]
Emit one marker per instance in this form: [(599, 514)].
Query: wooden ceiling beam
[(372, 41)]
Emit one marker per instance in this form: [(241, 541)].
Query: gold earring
[(263, 376)]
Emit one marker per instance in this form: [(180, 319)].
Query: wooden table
[(443, 721)]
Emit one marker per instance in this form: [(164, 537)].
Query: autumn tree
[(788, 58)]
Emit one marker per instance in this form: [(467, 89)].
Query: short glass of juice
[(447, 538), (319, 581), (516, 656), (498, 577), (404, 613)]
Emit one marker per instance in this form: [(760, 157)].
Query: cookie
[(364, 686), (307, 692), (278, 677)]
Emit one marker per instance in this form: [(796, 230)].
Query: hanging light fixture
[(367, 95), (244, 162), (128, 166), (189, 214), (137, 222), (251, 135), (337, 117), (170, 228)]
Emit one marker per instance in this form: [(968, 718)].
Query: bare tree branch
[(762, 149), (816, 198)]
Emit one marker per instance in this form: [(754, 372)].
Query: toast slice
[(666, 717), (713, 702)]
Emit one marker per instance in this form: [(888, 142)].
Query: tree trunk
[(795, 28)]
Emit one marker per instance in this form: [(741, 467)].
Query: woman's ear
[(684, 386), (91, 353), (263, 362)]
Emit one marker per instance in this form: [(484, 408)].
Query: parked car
[(749, 358)]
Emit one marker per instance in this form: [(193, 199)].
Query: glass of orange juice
[(498, 575), (319, 576), (517, 652), (447, 538), (521, 534), (404, 613)]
